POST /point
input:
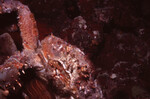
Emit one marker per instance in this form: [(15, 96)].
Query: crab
[(52, 58)]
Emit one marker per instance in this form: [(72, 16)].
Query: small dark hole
[(79, 68)]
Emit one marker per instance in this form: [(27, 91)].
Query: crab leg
[(10, 70), (7, 47), (27, 23)]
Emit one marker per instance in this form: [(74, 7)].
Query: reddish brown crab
[(54, 60)]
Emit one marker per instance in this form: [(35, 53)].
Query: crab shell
[(66, 65)]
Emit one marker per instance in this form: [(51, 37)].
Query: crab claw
[(9, 72), (27, 23)]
